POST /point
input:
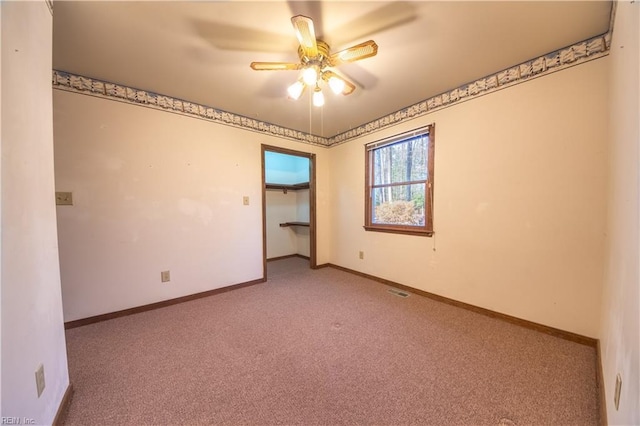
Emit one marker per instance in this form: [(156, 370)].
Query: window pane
[(398, 205), (401, 162)]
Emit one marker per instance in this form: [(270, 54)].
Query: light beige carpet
[(325, 347)]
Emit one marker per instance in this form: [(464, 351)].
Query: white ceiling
[(201, 51)]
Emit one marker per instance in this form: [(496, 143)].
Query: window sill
[(394, 230)]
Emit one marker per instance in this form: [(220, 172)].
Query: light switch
[(64, 199), (245, 200)]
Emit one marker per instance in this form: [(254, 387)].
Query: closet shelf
[(282, 225), (285, 187)]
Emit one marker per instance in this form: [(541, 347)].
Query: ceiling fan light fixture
[(295, 90), (315, 57), (318, 97), (336, 84), (310, 76)]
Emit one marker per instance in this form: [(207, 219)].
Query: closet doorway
[(288, 205)]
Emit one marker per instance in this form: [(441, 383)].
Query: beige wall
[(156, 191), (280, 207), (31, 303), (620, 328), (290, 207), (520, 179), (520, 203)]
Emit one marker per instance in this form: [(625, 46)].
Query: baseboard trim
[(288, 256), (600, 382), (157, 305), (63, 408), (567, 335)]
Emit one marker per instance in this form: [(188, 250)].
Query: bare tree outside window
[(400, 184)]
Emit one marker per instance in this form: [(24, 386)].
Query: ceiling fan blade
[(274, 66), (231, 37), (306, 35), (389, 16), (354, 53), (309, 8), (349, 87)]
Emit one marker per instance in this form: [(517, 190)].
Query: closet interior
[(287, 201)]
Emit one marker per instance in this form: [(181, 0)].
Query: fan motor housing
[(323, 54)]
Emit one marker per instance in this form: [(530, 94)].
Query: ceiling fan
[(316, 61)]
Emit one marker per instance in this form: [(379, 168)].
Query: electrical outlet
[(40, 380), (165, 276), (361, 255), (245, 200), (616, 394), (64, 199)]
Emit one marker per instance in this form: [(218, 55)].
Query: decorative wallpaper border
[(90, 86), (584, 51), (578, 53)]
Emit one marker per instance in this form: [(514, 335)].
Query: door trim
[(312, 202)]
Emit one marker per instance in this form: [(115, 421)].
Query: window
[(399, 183)]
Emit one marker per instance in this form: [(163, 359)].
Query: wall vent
[(398, 292)]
